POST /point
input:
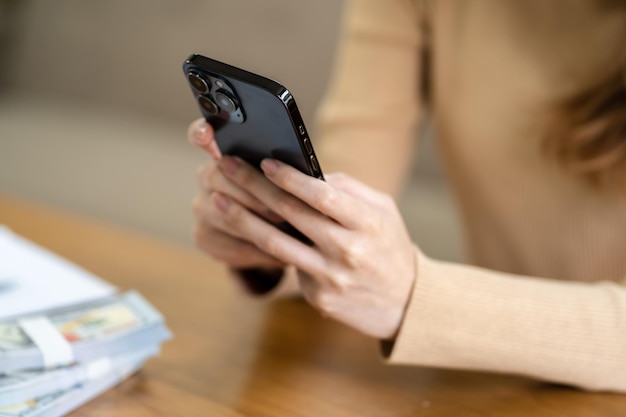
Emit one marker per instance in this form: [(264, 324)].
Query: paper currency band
[(98, 368), (55, 350)]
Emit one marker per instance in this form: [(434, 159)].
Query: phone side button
[(307, 146), (314, 164), (301, 129)]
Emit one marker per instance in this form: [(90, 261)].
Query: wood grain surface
[(233, 355)]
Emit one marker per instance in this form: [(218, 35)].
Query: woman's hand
[(360, 270), (209, 236)]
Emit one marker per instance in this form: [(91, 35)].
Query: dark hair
[(587, 131)]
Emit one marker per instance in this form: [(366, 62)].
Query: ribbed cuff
[(391, 349)]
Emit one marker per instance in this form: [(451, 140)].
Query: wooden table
[(237, 356)]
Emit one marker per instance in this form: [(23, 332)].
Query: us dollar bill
[(21, 386), (62, 402), (107, 327)]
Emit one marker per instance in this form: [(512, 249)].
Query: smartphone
[(253, 117)]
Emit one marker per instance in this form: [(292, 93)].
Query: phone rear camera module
[(225, 102), (208, 105), (199, 83)]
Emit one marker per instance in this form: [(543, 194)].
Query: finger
[(216, 241), (240, 222), (355, 188), (201, 134), (320, 195), (210, 179), (323, 299), (203, 171), (206, 211), (232, 251), (316, 226), (214, 151)]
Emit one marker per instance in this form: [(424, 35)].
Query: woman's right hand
[(209, 235)]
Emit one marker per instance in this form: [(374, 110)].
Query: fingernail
[(222, 201), (230, 165), (200, 134), (269, 166)]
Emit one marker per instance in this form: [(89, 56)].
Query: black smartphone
[(253, 117)]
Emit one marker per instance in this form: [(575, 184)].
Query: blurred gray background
[(94, 106)]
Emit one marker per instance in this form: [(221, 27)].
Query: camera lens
[(198, 82), (208, 105), (225, 102)]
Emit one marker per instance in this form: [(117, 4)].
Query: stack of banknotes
[(52, 362)]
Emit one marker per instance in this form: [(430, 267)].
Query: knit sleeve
[(276, 283), (471, 318)]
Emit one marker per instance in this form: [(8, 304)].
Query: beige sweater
[(543, 298)]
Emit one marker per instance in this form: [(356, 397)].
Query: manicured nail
[(230, 165), (222, 201), (269, 166), (200, 135)]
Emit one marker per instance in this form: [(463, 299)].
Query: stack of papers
[(65, 335)]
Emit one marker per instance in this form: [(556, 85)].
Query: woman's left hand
[(360, 269)]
